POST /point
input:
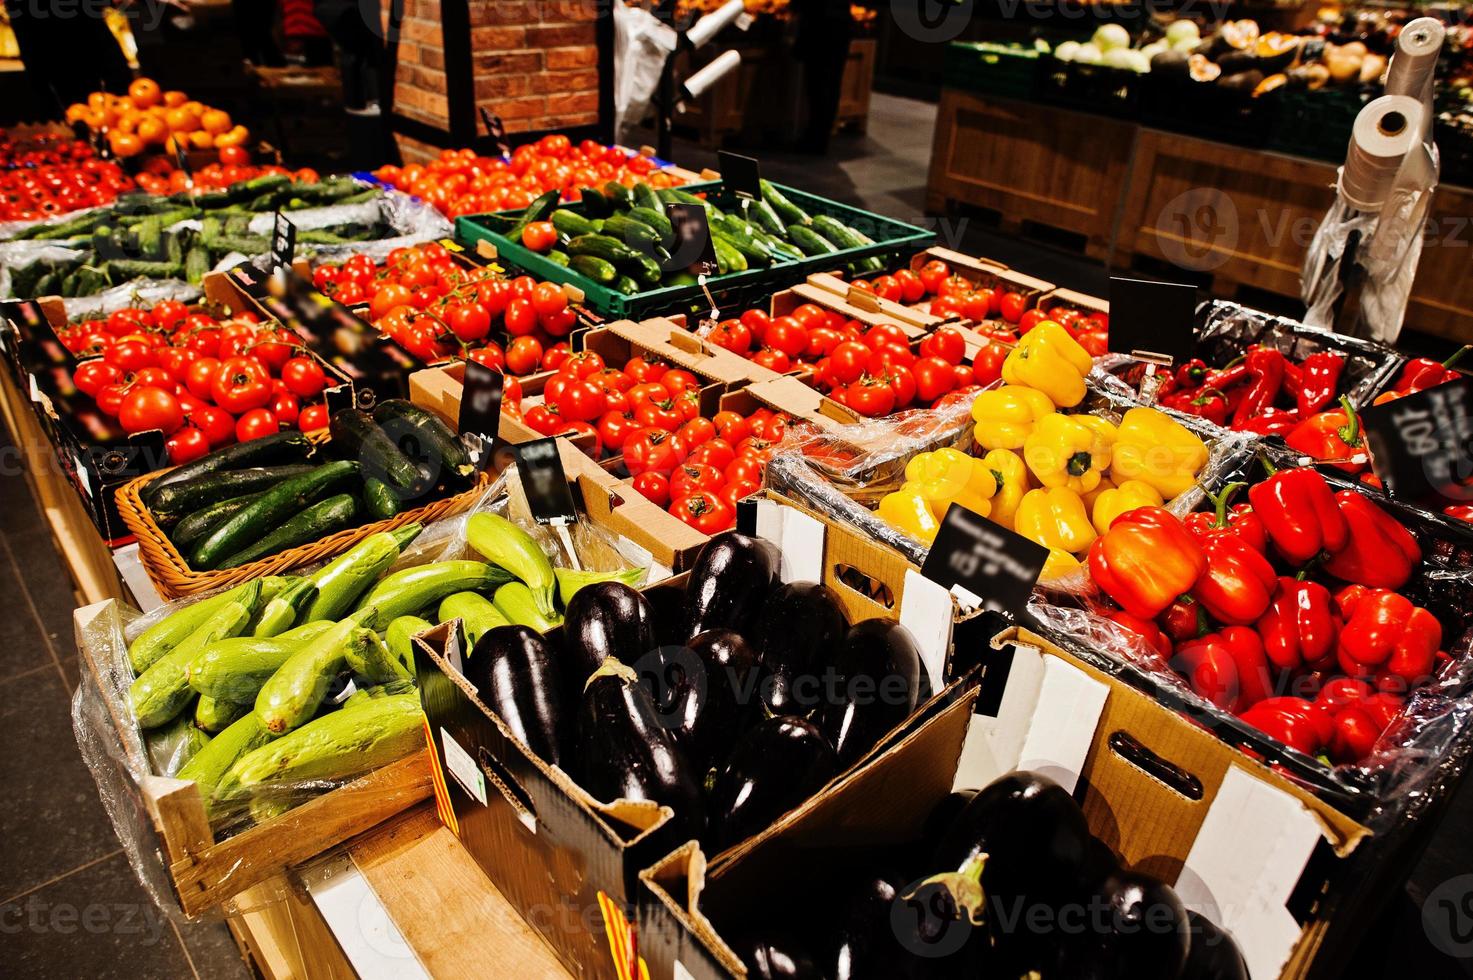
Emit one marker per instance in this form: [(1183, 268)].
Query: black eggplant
[(773, 768), (1136, 929), (705, 692), (887, 933), (878, 669), (730, 581), (607, 619), (1212, 954), (801, 628), (776, 956), (517, 675), (943, 813), (624, 752)]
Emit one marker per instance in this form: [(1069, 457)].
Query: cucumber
[(674, 195), (728, 258), (294, 693), (810, 242), (356, 436), (656, 219), (761, 214), (643, 268), (400, 638), (618, 195), (594, 268), (318, 521), (634, 233), (839, 233), (603, 247), (375, 663), (337, 746), (476, 613), (645, 197), (786, 210), (341, 581), (557, 257), (210, 764), (412, 590), (736, 234), (179, 499), (263, 514), (626, 286), (516, 602), (215, 716), (572, 223), (281, 611), (162, 691), (380, 502), (595, 205), (422, 435), (234, 669), (199, 523)]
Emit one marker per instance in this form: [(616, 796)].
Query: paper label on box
[(1064, 721), (463, 767), (994, 743), (926, 610), (799, 538)]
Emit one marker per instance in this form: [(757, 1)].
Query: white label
[(680, 972), (1069, 703), (463, 767), (926, 610), (798, 537), (348, 691)]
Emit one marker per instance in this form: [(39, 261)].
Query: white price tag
[(463, 767)]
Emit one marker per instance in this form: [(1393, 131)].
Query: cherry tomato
[(313, 417), (468, 321), (256, 423), (286, 408)]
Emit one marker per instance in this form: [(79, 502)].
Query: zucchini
[(375, 663), (413, 590), (786, 210), (162, 691), (178, 499), (400, 638), (594, 268), (264, 513), (380, 502), (356, 436), (317, 521), (162, 637), (210, 764), (170, 748), (423, 436), (122, 270), (476, 613), (572, 223), (278, 615), (196, 264), (199, 523), (338, 745), (809, 241), (234, 669), (341, 581), (295, 692), (215, 716), (520, 606)]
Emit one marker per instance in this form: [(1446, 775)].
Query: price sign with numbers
[(545, 483), (692, 250), (283, 242), (997, 566), (1422, 445)]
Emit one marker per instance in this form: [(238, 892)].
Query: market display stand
[(1135, 197)]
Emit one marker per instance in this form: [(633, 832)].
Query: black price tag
[(742, 174), (998, 566), (283, 242), (495, 129), (183, 161), (693, 251), (1152, 320), (480, 404), (1422, 445), (545, 483)]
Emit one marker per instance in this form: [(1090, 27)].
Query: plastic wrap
[(1417, 756)]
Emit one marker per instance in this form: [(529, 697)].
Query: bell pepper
[(1255, 682), (1299, 513), (1154, 447), (1059, 565), (1071, 451), (1090, 496), (1054, 518), (1148, 631), (1272, 421), (1332, 437), (1184, 619), (1319, 382), (1128, 496), (910, 512), (1424, 373), (1010, 474), (1227, 668), (950, 476), (1146, 560), (1205, 403), (1192, 374), (1461, 512), (1378, 551), (1387, 636), (1050, 360), (1292, 721), (1265, 367), (1299, 627), (1005, 416), (1241, 519), (1239, 582)]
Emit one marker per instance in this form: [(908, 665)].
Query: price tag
[(495, 129), (693, 251), (1422, 445), (741, 173), (545, 483), (1152, 321), (984, 563), (480, 407), (283, 242)]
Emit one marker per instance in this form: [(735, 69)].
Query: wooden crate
[(859, 79), (1037, 167)]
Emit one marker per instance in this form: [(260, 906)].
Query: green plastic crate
[(733, 291), (991, 69)]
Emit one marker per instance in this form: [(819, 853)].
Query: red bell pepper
[(1462, 512), (1386, 636), (1319, 381), (1206, 403), (1271, 421), (1424, 373), (1293, 721), (1266, 377), (1354, 737), (1299, 513), (1184, 619), (1239, 582), (1378, 552), (1209, 669), (1384, 708), (1240, 519), (1300, 625), (1246, 647), (1333, 437), (1146, 560), (1145, 629)]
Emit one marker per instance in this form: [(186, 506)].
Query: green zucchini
[(338, 745), (594, 268), (201, 522), (476, 613), (284, 447), (423, 436), (265, 512), (809, 241), (317, 521), (375, 663), (789, 212), (281, 611), (380, 502), (215, 716), (162, 691), (295, 692), (341, 581), (210, 764), (170, 748), (400, 638), (412, 590), (356, 436), (572, 223), (234, 669)]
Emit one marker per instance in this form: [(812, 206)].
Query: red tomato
[(216, 423), (698, 431), (822, 341), (130, 355), (934, 377), (468, 321), (886, 287), (933, 274), (612, 379), (581, 401), (542, 420), (523, 355), (947, 343), (1012, 306), (582, 364), (882, 334), (658, 414), (655, 487), (704, 511), (847, 362), (903, 383), (756, 321), (945, 307), (109, 398), (789, 335), (677, 380), (256, 423), (1030, 319), (731, 428), (987, 364), (91, 376), (714, 452), (520, 317), (733, 492), (912, 288), (871, 397), (561, 323), (176, 360), (303, 377), (690, 478), (573, 430), (539, 236), (768, 427), (977, 305), (286, 408), (773, 360), (644, 371), (614, 428), (743, 469), (273, 347), (808, 315), (555, 355), (147, 407), (652, 451), (492, 356), (548, 298), (241, 385), (186, 445), (733, 335)]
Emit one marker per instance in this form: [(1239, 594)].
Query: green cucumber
[(557, 257), (341, 581), (476, 613), (618, 195), (234, 669), (412, 590), (595, 205), (293, 694), (761, 214), (738, 234), (625, 285), (728, 257), (643, 268), (339, 745), (281, 611), (422, 435), (317, 521), (674, 195), (380, 502), (839, 233), (162, 691), (215, 716), (356, 436), (400, 638), (594, 268), (656, 219), (571, 223), (645, 197), (603, 247), (809, 241), (177, 500), (789, 212), (264, 513), (632, 232), (209, 767)]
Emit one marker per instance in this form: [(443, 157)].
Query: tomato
[(155, 376), (733, 335), (256, 423), (808, 316), (1101, 319), (241, 385), (581, 401), (560, 323), (872, 397), (522, 287), (303, 377), (934, 377), (704, 511), (769, 427), (648, 391), (690, 478), (176, 360), (548, 298), (542, 420), (186, 445), (946, 307), (756, 322), (822, 341), (987, 364), (1030, 319), (130, 355), (655, 487), (644, 371), (731, 428), (688, 404), (743, 469), (612, 379), (496, 294), (109, 398), (912, 288), (468, 321), (286, 408), (712, 452), (1096, 343), (1011, 306), (169, 313), (523, 355), (539, 236), (903, 383), (847, 361), (886, 287), (520, 317), (886, 356), (217, 424), (947, 343), (788, 334), (90, 376), (614, 428), (886, 333), (658, 414), (582, 364), (677, 380), (147, 407), (313, 417), (933, 274), (126, 321), (652, 451), (698, 431), (977, 305), (573, 430), (273, 348), (773, 360), (733, 492)]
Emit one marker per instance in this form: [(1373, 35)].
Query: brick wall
[(535, 62)]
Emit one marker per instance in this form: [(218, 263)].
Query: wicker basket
[(173, 577)]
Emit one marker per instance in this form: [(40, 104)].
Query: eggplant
[(776, 956), (773, 768), (801, 628), (706, 692), (879, 668), (943, 813), (1212, 954), (517, 675), (607, 619), (625, 752), (1138, 930), (731, 579), (884, 933)]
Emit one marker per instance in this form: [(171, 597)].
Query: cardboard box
[(1257, 854), (832, 293), (1072, 299), (985, 272)]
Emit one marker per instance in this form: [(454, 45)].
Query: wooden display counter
[(1140, 198)]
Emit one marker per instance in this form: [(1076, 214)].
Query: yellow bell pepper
[(1058, 565), (949, 476), (1055, 518), (1048, 359), (907, 510), (1153, 447), (1128, 496), (1089, 498), (1006, 415), (1070, 451), (1010, 474)]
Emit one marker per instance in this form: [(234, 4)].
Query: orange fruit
[(194, 108), (144, 92), (236, 137), (126, 124), (152, 130), (96, 100), (201, 140), (173, 98), (76, 112), (125, 144), (215, 121), (181, 121)]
